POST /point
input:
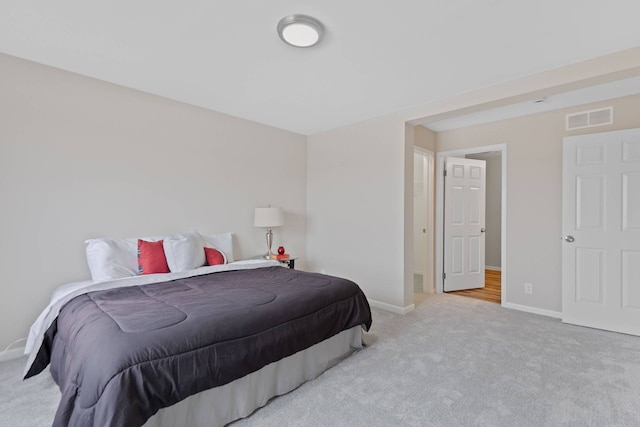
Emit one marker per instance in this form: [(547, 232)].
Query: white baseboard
[(390, 307), (534, 310), (490, 267), (14, 353)]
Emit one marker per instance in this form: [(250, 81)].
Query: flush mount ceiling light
[(300, 30)]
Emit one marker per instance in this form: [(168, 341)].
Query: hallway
[(492, 290)]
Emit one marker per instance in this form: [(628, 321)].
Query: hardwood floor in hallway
[(492, 290)]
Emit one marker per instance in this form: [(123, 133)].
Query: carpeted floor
[(454, 361)]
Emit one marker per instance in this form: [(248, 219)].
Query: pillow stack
[(111, 259)]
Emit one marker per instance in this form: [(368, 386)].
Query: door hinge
[(444, 276), (444, 172)]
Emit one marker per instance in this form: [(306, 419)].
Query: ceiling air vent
[(587, 119)]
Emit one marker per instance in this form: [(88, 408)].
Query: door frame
[(429, 187), (439, 253)]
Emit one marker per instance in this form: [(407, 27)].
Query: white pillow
[(184, 251), (110, 259), (222, 242)]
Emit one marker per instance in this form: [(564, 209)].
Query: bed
[(199, 347)]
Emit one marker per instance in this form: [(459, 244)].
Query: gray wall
[(81, 158)]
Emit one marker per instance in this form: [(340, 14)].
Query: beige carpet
[(454, 361)]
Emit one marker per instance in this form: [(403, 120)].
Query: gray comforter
[(120, 355)]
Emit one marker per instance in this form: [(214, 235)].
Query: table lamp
[(268, 217)]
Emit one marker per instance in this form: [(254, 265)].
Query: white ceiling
[(377, 57)]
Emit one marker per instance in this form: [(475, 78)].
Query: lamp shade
[(268, 217)]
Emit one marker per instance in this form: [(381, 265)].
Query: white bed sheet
[(65, 293)]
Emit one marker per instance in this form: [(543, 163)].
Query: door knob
[(569, 239), (482, 230)]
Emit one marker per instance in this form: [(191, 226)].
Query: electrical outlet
[(528, 288)]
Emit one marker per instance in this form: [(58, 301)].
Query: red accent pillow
[(214, 256), (151, 257)]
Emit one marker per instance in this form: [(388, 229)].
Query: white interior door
[(601, 231), (464, 222)]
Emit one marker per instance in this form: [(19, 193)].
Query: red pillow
[(214, 256), (151, 257)]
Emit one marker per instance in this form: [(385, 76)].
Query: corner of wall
[(409, 144)]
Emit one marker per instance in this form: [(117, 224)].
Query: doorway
[(496, 273), (423, 224), (492, 290)]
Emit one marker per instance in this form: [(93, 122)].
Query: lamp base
[(269, 242)]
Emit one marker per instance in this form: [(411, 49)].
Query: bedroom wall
[(534, 192), (355, 181), (358, 177), (424, 138), (81, 158)]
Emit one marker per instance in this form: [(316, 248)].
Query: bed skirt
[(238, 399)]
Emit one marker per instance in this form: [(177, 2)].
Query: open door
[(464, 222), (601, 231)]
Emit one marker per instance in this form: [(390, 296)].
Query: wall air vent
[(587, 119)]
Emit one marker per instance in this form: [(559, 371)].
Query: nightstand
[(289, 262)]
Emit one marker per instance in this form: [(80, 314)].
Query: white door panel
[(601, 211), (631, 201), (630, 277), (464, 224)]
